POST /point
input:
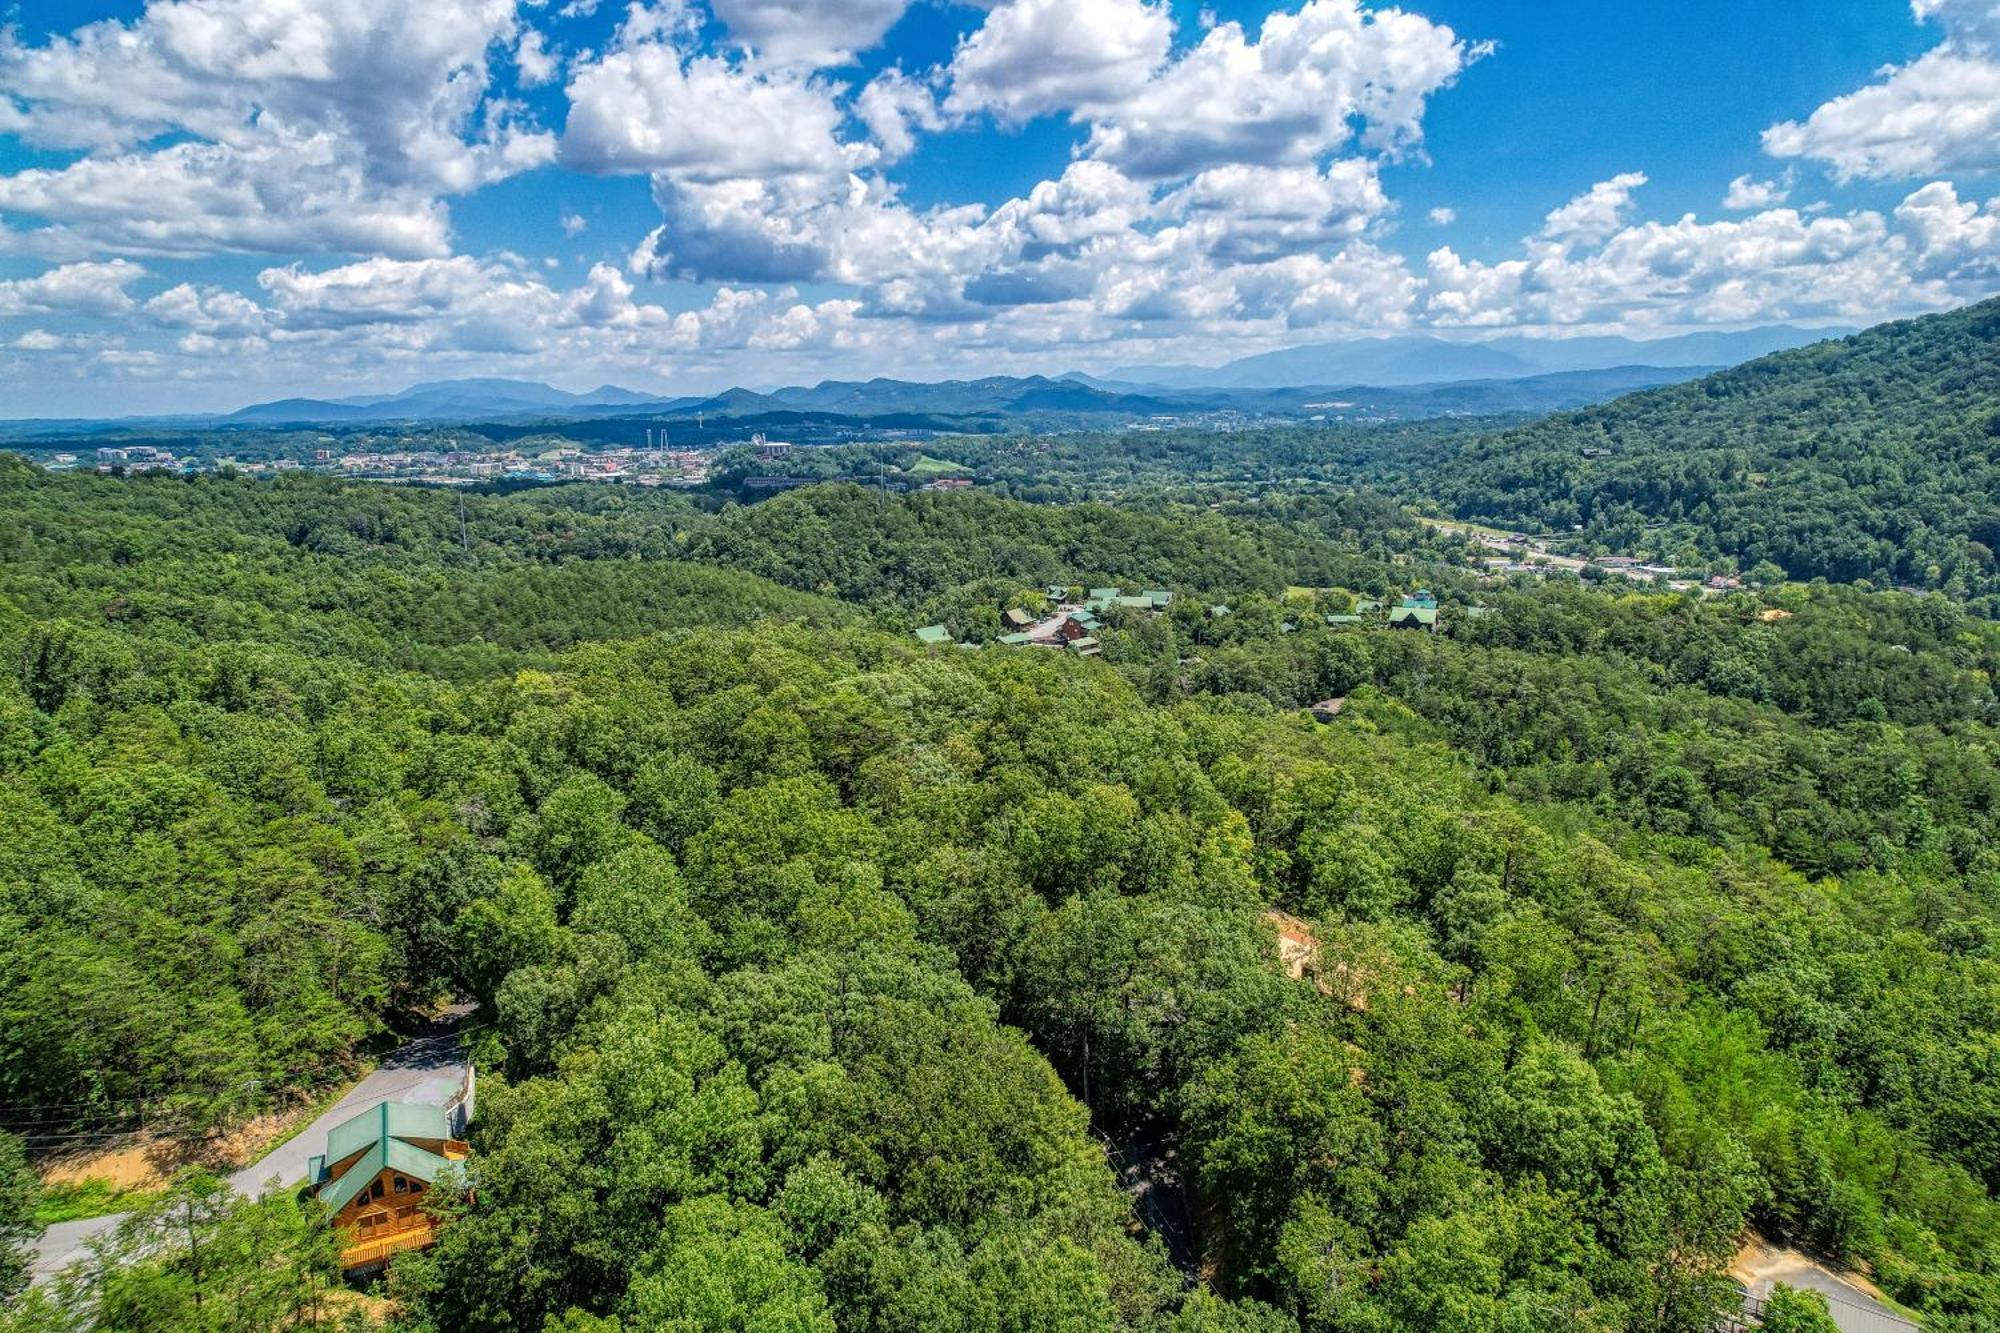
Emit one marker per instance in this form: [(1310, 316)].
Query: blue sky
[(204, 202)]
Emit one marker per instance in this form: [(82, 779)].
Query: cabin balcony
[(380, 1246)]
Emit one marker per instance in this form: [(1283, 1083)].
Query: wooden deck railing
[(370, 1253)]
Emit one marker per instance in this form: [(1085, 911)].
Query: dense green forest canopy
[(1105, 464), (1875, 456), (837, 983), (1870, 457)]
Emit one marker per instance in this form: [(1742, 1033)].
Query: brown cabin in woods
[(1299, 953), (373, 1177), (1078, 625)]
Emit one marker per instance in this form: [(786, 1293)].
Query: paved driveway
[(1759, 1266), (428, 1070)]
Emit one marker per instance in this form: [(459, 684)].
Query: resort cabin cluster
[(1417, 611), (373, 1177), (1072, 624), (1077, 618)]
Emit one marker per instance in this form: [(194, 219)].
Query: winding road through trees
[(430, 1068)]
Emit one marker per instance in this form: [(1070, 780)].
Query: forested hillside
[(837, 983), (1876, 457)]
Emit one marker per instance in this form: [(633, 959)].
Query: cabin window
[(402, 1185)]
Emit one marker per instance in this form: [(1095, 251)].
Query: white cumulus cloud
[(284, 121), (1038, 57), (1940, 112), (90, 288), (1746, 194), (1595, 214), (813, 33), (647, 106), (1311, 81)]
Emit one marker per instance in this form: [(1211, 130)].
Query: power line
[(39, 1112)]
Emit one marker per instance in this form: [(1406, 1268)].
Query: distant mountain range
[(1376, 363), (1421, 359), (446, 400), (987, 403), (1401, 377)]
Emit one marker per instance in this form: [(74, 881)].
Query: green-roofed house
[(373, 1176), (1017, 640), (1133, 603), (1414, 617), (1422, 599), (934, 636), (1159, 597)]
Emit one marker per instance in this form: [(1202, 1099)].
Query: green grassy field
[(87, 1198), (927, 466)]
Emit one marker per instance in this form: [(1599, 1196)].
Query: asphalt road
[(428, 1069), (1760, 1266)]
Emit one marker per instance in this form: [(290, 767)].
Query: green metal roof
[(1158, 596), (398, 1156), (934, 634), (379, 1135), (389, 1120), (1103, 594), (1422, 615), (1016, 639)]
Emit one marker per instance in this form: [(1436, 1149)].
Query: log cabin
[(373, 1177)]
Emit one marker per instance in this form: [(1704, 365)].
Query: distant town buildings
[(136, 458), (623, 466)]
